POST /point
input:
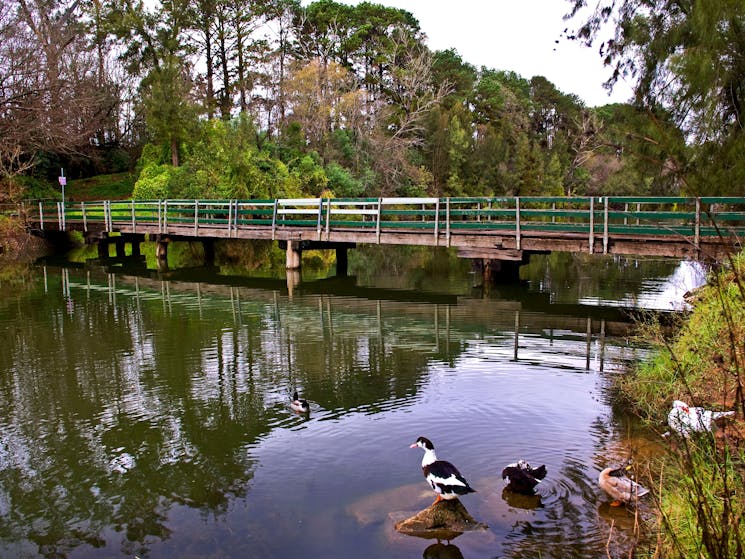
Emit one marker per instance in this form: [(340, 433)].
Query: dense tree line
[(265, 98)]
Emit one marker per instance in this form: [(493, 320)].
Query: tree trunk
[(174, 152)]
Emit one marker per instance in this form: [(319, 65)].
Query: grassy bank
[(101, 187), (699, 481)]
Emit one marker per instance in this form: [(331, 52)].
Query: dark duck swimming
[(444, 478)]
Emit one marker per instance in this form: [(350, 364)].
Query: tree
[(685, 56), (322, 98), (156, 48), (53, 95)]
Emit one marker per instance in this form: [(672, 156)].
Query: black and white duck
[(444, 478), (522, 478)]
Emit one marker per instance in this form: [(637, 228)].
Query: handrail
[(593, 217)]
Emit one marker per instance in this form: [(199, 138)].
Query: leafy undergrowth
[(16, 243), (700, 481)]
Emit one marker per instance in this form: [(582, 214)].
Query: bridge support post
[(294, 255), (209, 252), (293, 280), (136, 247), (342, 262), (161, 251), (500, 271), (119, 243), (103, 248)]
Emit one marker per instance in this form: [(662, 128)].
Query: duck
[(686, 420), (521, 478), (619, 486), (444, 478), (298, 405)]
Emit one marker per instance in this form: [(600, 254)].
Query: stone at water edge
[(445, 516)]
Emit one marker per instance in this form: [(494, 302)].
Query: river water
[(147, 414)]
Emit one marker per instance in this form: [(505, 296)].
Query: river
[(147, 414)]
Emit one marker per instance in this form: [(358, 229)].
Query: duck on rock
[(444, 478), (521, 478)]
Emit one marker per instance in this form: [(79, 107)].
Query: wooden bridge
[(490, 228)]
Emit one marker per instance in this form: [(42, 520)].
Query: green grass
[(117, 186), (700, 498)]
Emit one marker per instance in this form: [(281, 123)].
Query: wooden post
[(447, 221), (209, 252), (437, 222), (294, 256), (518, 240), (592, 224), (377, 223), (516, 343), (605, 225), (161, 251), (103, 248), (697, 227), (328, 218), (274, 219), (319, 221), (230, 216), (237, 216), (196, 218), (342, 261)]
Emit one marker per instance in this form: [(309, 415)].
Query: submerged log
[(444, 520)]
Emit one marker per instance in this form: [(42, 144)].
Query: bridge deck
[(500, 228)]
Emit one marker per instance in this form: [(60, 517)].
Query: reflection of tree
[(108, 434), (155, 392), (576, 276), (143, 408)]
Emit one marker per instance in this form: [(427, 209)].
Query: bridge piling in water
[(161, 251), (342, 262), (294, 255)]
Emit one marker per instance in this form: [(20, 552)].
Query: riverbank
[(16, 243), (699, 481)]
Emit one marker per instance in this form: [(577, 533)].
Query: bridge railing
[(595, 217)]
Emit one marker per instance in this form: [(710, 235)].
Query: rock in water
[(444, 520)]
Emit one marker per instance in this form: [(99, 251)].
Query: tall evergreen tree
[(685, 56)]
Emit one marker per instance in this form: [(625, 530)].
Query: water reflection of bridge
[(528, 324)]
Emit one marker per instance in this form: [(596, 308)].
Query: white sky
[(516, 35)]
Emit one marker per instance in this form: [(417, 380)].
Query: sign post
[(62, 182)]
